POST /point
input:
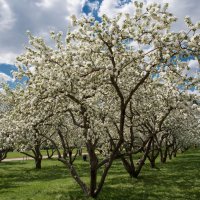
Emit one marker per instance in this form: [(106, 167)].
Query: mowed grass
[(16, 154), (177, 179)]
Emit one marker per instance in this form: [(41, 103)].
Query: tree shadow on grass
[(174, 180), (177, 179), (13, 174)]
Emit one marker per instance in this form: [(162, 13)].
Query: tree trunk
[(153, 154), (37, 157), (174, 153), (170, 154), (153, 163), (165, 153), (3, 155), (129, 168), (161, 155), (164, 158), (93, 174), (75, 175), (50, 154), (80, 151), (38, 162)]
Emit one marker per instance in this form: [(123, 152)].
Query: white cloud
[(74, 8), (5, 78), (93, 5), (46, 3), (6, 16), (194, 64), (7, 58), (2, 91), (196, 92), (112, 7), (40, 16), (194, 69)]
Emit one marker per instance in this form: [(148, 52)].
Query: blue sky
[(41, 16)]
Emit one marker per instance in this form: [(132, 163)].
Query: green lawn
[(16, 154), (178, 179)]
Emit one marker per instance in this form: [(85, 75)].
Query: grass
[(179, 179), (16, 154)]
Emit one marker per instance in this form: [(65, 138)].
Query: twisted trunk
[(129, 166), (153, 155)]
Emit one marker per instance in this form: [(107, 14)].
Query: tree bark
[(174, 154), (38, 163), (152, 163), (129, 168), (75, 175), (93, 168), (50, 154), (154, 153), (38, 156), (3, 155)]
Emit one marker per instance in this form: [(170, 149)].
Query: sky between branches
[(41, 16)]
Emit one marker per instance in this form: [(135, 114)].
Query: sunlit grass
[(16, 154), (177, 179)]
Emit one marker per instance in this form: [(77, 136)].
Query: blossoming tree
[(82, 89)]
